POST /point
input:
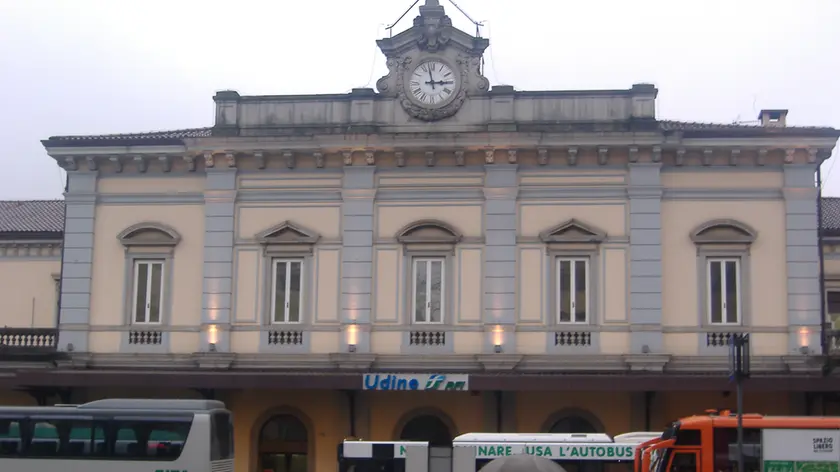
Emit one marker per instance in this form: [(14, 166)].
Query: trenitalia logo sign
[(441, 382)]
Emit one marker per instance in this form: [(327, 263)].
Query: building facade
[(433, 257)]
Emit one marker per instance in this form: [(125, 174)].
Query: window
[(221, 446), (572, 290), (833, 307), (725, 443), (724, 286), (428, 289), (286, 288), (148, 291)]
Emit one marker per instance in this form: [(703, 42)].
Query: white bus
[(576, 452), (127, 435), (383, 456)]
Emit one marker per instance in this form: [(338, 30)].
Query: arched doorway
[(427, 428), (283, 445), (576, 421), (572, 424), (431, 428)]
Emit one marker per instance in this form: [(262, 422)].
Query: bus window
[(221, 445), (10, 439), (65, 438), (726, 449), (683, 462), (147, 439)]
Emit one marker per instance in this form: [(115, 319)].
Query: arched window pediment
[(429, 232), (572, 231), (724, 231), (287, 233), (149, 234)]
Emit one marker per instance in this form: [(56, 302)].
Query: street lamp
[(739, 369)]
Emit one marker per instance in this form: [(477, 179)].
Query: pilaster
[(77, 263), (802, 258), (500, 191), (645, 196), (219, 202), (358, 193)]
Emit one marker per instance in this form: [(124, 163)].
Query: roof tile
[(671, 125), (31, 216), (152, 135)]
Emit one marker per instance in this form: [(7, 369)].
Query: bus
[(128, 435), (384, 456), (709, 443), (576, 452)]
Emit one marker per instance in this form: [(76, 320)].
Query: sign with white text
[(440, 382), (578, 452), (800, 445)]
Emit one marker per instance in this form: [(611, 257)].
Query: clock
[(433, 84)]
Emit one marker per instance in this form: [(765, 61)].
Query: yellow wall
[(768, 286), (109, 262), (28, 291)]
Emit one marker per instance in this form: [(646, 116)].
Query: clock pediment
[(432, 31), (433, 40)]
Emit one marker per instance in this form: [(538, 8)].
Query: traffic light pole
[(739, 369)]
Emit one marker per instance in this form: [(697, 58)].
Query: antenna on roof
[(478, 24), (390, 27)]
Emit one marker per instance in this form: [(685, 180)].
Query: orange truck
[(708, 443)]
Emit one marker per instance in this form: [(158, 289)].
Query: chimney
[(773, 118)]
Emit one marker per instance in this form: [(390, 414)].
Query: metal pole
[(740, 406), (739, 395)]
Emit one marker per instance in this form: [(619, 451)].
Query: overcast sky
[(110, 66)]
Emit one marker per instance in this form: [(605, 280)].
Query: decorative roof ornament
[(434, 24)]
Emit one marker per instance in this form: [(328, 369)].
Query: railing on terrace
[(28, 341)]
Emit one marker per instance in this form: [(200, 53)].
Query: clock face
[(433, 83)]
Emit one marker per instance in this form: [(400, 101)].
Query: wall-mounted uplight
[(212, 334), (211, 347), (352, 337), (803, 336), (498, 338)]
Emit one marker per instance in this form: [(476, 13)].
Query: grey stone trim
[(602, 192), (77, 267), (500, 224), (357, 227), (722, 194), (802, 256), (303, 196), (645, 285), (219, 225), (123, 199), (430, 195), (44, 250)]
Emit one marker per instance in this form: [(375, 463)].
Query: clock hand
[(431, 79)]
